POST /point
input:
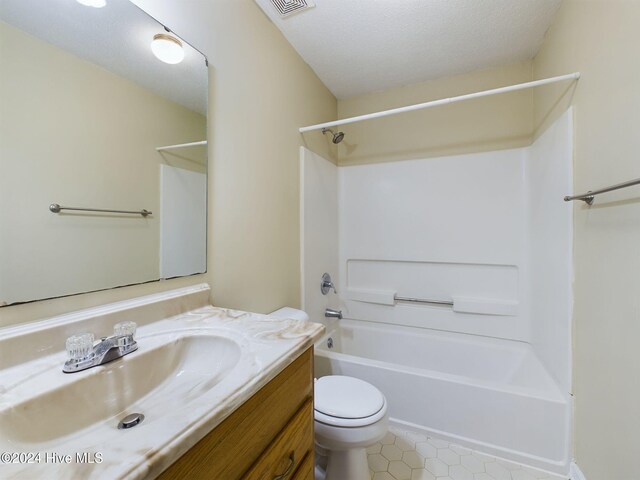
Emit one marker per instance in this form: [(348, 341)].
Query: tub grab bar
[(448, 303), (482, 306), (390, 298)]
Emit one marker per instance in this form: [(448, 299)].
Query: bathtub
[(492, 395)]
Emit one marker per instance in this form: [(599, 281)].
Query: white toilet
[(350, 415)]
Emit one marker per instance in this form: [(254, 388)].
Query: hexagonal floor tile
[(521, 475), (375, 448), (422, 475), (482, 476), (404, 444), (448, 456), (413, 459), (416, 437), (471, 463), (383, 476), (438, 443), (460, 450), (391, 452), (436, 466), (497, 471), (426, 450), (378, 463), (406, 455), (483, 457), (458, 472), (389, 439), (400, 470)]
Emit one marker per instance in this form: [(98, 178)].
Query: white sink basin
[(164, 374)]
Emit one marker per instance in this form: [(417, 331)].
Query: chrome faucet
[(84, 354), (331, 313)]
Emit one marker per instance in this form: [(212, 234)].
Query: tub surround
[(32, 361), (489, 228)]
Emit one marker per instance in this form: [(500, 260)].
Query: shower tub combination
[(492, 395)]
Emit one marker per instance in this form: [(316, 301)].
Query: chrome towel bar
[(55, 208), (589, 196)]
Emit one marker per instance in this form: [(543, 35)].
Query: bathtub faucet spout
[(331, 313)]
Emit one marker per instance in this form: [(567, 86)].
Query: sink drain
[(130, 421)]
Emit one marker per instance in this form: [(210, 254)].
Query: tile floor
[(406, 455)]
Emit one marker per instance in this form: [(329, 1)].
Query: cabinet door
[(290, 448)]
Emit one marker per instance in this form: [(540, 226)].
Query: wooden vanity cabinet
[(271, 434)]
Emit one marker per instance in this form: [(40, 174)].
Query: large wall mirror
[(90, 118)]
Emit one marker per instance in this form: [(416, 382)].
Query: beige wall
[(600, 39), (76, 134), (260, 93), (485, 124)]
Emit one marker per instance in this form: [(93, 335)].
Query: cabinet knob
[(292, 460)]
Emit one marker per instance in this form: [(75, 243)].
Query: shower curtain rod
[(444, 101)]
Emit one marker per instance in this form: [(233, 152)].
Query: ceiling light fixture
[(167, 48), (93, 3)]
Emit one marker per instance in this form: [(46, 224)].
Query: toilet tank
[(292, 313)]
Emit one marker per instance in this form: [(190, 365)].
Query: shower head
[(337, 137)]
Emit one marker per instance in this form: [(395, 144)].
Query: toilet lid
[(346, 397)]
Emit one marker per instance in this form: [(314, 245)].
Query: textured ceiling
[(116, 37), (359, 46)]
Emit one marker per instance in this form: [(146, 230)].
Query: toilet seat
[(347, 402)]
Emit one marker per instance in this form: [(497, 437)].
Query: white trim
[(301, 205), (575, 473), (444, 101)]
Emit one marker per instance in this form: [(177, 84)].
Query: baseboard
[(575, 473)]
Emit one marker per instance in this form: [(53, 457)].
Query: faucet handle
[(123, 329), (327, 284), (80, 346)]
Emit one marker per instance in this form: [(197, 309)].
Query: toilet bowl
[(349, 416)]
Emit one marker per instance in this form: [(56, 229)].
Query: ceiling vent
[(289, 7)]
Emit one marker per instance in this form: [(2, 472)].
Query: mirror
[(86, 110)]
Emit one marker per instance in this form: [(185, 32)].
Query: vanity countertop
[(176, 419)]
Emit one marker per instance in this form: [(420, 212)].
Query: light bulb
[(167, 48), (93, 3)]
